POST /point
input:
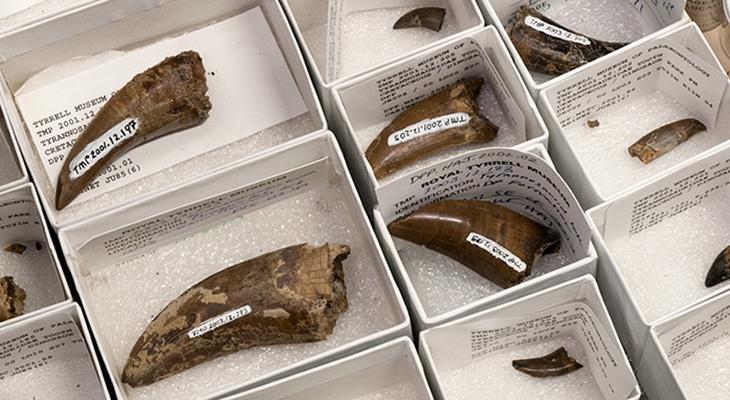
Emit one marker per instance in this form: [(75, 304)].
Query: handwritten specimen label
[(102, 146), (497, 251), (217, 322), (554, 31), (428, 126)]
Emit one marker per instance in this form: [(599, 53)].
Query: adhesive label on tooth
[(217, 322), (554, 31), (101, 146), (497, 251), (428, 126)]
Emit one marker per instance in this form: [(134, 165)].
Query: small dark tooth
[(556, 363), (426, 17), (720, 269)]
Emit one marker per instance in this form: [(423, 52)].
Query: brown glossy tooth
[(496, 242), (425, 17), (593, 123), (554, 364), (665, 138), (720, 269), (166, 98), (449, 118), (15, 248), (292, 295), (553, 53), (12, 299)]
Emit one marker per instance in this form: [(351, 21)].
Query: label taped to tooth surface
[(554, 31), (429, 126), (497, 251), (102, 146), (217, 322)]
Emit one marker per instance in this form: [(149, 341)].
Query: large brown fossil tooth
[(550, 48), (444, 120), (425, 17), (496, 242), (292, 295), (16, 248), (554, 364), (166, 98), (720, 269), (665, 138), (12, 299)]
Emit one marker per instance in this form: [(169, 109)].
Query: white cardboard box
[(234, 37), (524, 181), (369, 102), (573, 308), (272, 201), (12, 167), (658, 17), (308, 15), (391, 370)]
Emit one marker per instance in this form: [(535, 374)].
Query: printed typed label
[(497, 251), (102, 146), (554, 31), (429, 126), (217, 322)]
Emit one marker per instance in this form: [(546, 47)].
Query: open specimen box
[(469, 357), (344, 38), (128, 264), (390, 371), (59, 72), (624, 21), (438, 288), (369, 103), (12, 167)]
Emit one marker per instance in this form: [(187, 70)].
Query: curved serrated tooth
[(662, 140), (425, 17), (720, 269), (449, 118), (291, 295), (554, 364), (12, 299), (550, 48), (496, 242), (166, 98)]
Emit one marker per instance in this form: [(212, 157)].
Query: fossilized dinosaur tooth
[(16, 248), (720, 269), (550, 48), (554, 364), (662, 140), (12, 299), (424, 17), (292, 295), (496, 242), (444, 120), (166, 98)]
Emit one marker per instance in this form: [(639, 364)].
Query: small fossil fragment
[(424, 17), (554, 364), (292, 295), (720, 269), (549, 48), (447, 119), (38, 246), (16, 248), (665, 138), (166, 98), (12, 299), (593, 123), (496, 242)]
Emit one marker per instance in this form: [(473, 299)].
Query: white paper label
[(215, 323), (101, 146), (554, 31), (429, 126), (497, 251)]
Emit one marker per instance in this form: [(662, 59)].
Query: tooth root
[(664, 139), (426, 17), (720, 269), (496, 242), (447, 119), (554, 364), (551, 55), (12, 299), (166, 98), (292, 295)]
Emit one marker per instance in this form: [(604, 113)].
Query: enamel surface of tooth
[(556, 363), (426, 17), (664, 139), (720, 269)]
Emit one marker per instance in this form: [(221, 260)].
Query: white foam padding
[(60, 379), (703, 376), (399, 391)]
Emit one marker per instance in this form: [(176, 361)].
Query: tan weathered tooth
[(554, 364), (12, 299), (292, 295), (720, 269), (662, 140), (448, 119), (16, 248), (166, 98), (424, 17), (494, 241)]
